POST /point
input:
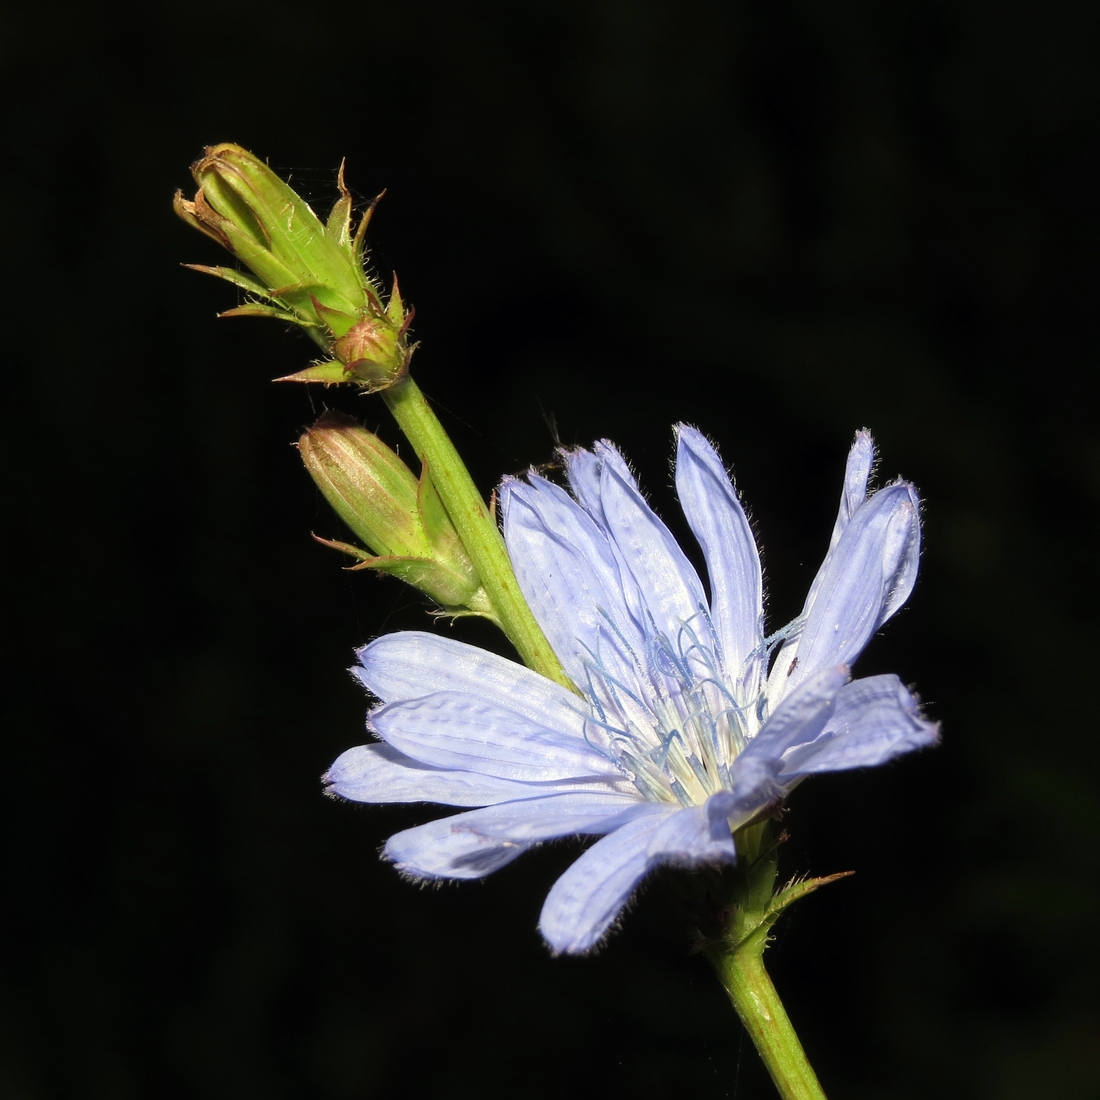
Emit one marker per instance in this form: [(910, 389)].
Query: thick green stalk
[(748, 898), (476, 527), (742, 972)]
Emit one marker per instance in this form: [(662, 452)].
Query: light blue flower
[(690, 722)]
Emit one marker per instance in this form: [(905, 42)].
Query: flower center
[(670, 717)]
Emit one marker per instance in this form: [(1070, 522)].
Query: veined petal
[(453, 729), (584, 902), (857, 472), (875, 719), (445, 849), (905, 575), (568, 571), (722, 529), (471, 845), (798, 719), (414, 663), (866, 577), (697, 834), (584, 813), (586, 471), (381, 773), (671, 592)]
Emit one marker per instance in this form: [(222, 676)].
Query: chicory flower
[(688, 723)]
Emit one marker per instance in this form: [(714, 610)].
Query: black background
[(779, 221)]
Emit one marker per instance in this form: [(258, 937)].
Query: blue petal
[(568, 571), (474, 844), (798, 719), (381, 773), (453, 729), (672, 594), (413, 663), (865, 578), (557, 815), (444, 849), (756, 786), (697, 834), (719, 524), (875, 719), (583, 903), (857, 472), (586, 472), (583, 470)]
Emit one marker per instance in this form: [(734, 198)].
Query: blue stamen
[(682, 796)]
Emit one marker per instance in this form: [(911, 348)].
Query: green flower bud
[(303, 271), (398, 516)]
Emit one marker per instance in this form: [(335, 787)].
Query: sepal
[(735, 908), (447, 587), (231, 275), (330, 372), (338, 226), (258, 309)]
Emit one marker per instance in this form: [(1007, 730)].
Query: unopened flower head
[(690, 723), (398, 516), (303, 271)]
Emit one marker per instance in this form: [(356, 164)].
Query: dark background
[(780, 221)]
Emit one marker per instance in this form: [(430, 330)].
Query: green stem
[(742, 972), (475, 525)]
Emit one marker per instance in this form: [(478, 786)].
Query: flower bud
[(399, 517), (306, 272)]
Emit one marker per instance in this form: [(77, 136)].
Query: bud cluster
[(433, 531), (303, 271)]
